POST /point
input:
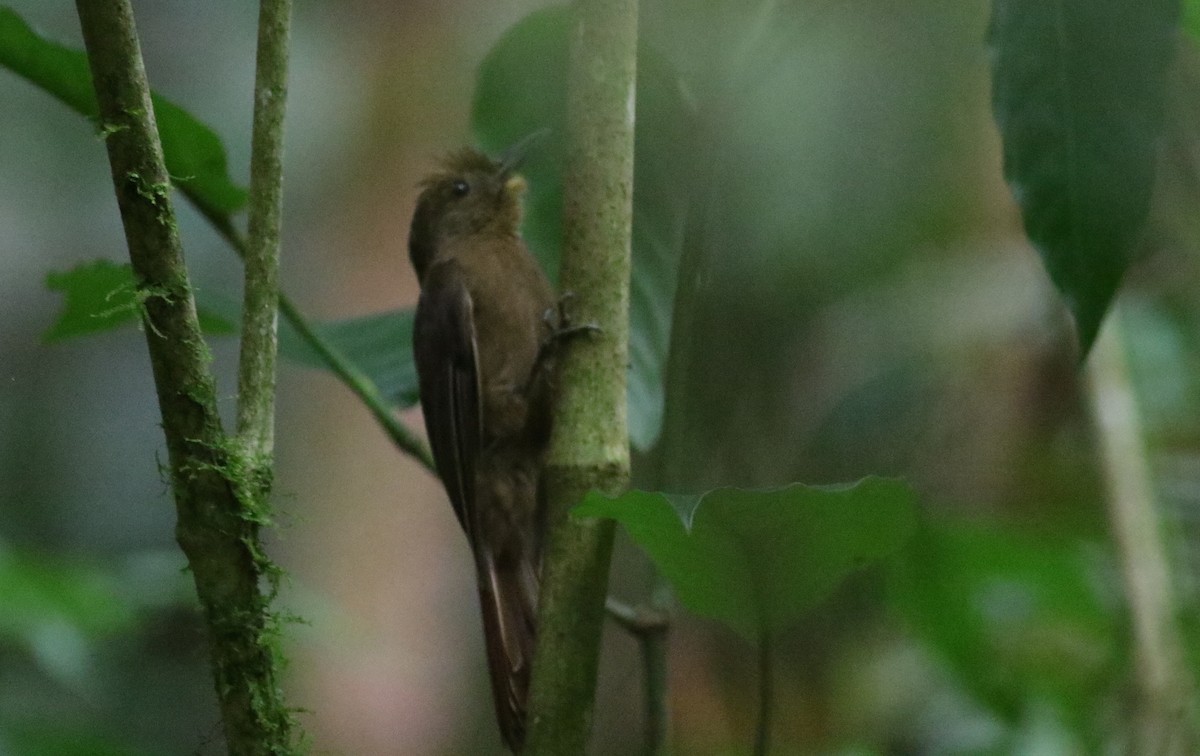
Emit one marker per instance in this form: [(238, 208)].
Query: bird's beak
[(515, 185), (512, 158)]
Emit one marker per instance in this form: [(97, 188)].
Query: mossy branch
[(590, 448), (218, 515)]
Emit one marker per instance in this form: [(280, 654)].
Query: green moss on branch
[(219, 508)]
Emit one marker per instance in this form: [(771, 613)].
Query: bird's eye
[(460, 188)]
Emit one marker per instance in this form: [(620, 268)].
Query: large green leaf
[(757, 560), (1078, 96), (522, 88), (194, 155)]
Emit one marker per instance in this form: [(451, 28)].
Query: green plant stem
[(1166, 687), (590, 447), (649, 628), (359, 383), (217, 525), (766, 694), (256, 363)]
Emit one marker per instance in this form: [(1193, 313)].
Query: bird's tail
[(508, 593)]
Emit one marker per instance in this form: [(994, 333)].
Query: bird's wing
[(447, 356), (448, 372)]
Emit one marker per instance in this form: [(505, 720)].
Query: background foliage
[(857, 297)]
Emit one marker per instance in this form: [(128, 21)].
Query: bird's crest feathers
[(462, 162)]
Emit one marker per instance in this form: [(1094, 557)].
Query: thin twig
[(649, 627), (256, 363), (766, 694), (1166, 686)]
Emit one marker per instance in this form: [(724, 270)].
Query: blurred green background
[(857, 298)]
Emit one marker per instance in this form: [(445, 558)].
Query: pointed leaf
[(1078, 96), (760, 559), (379, 345), (522, 88), (100, 296), (194, 155)]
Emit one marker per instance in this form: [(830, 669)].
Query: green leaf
[(194, 155), (101, 295), (379, 345), (1077, 91), (757, 560), (1020, 617), (522, 88)]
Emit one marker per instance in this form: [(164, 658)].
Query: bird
[(483, 334)]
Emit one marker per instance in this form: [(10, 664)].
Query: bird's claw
[(560, 322)]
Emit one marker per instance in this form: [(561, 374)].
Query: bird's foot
[(560, 324)]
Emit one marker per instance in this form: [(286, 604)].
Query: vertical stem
[(1165, 685), (590, 447), (649, 627), (766, 697), (217, 528), (653, 645), (256, 366), (218, 522)]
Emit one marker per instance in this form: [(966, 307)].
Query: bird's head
[(471, 194)]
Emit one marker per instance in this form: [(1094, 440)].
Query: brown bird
[(484, 322)]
